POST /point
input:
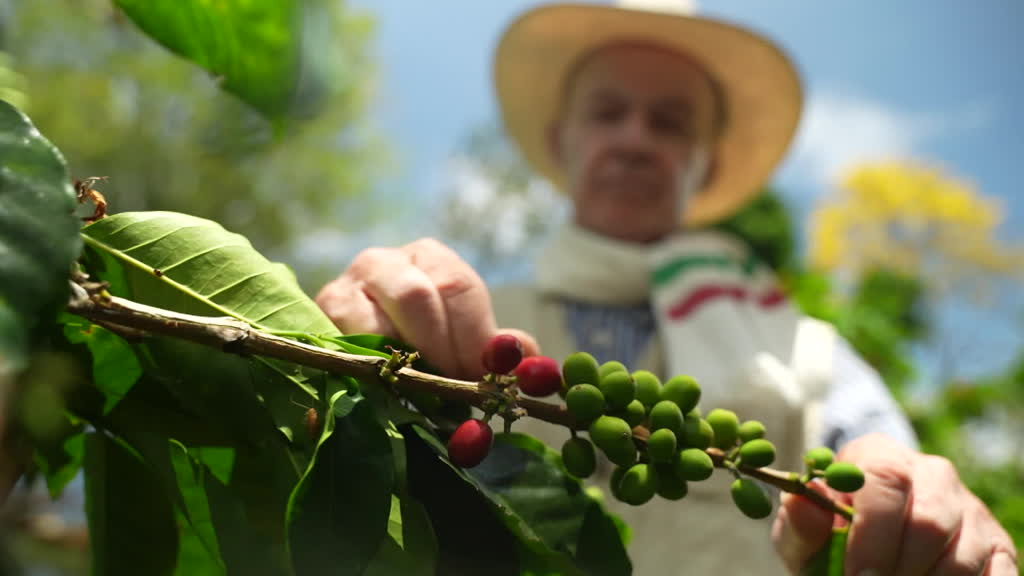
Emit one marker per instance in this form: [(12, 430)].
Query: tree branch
[(234, 336)]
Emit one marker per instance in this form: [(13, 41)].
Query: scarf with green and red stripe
[(721, 315)]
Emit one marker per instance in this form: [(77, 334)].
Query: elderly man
[(655, 124)]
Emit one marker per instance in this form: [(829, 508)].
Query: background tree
[(120, 105), (494, 210)]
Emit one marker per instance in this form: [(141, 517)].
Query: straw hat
[(758, 83)]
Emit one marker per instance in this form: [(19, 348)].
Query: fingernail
[(785, 497), (1002, 565), (869, 572)]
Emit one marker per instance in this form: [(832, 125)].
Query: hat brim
[(759, 85)]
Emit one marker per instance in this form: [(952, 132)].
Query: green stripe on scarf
[(667, 272)]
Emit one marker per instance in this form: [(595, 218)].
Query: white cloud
[(840, 130)]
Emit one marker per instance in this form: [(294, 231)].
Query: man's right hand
[(423, 294)]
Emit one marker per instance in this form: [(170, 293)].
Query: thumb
[(801, 528)]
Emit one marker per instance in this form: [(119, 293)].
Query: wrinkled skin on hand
[(913, 516), (424, 294)]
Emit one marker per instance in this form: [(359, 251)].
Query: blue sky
[(935, 80)]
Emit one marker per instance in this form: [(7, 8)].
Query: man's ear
[(554, 142), (709, 172), (712, 171)]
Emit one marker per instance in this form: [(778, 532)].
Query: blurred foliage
[(494, 211), (120, 105)]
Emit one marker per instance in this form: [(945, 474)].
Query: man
[(647, 120)]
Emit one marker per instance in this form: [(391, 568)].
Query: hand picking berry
[(502, 354)]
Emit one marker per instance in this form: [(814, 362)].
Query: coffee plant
[(224, 425)]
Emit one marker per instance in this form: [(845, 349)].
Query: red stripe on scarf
[(709, 292)]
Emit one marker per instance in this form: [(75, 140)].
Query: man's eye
[(668, 124), (606, 114)]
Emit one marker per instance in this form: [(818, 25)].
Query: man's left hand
[(913, 516)]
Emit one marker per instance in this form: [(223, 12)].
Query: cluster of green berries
[(658, 439), (653, 432)]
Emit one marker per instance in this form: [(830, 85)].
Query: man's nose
[(635, 133)]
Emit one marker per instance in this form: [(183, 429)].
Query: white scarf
[(720, 316)]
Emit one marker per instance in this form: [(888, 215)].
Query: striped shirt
[(857, 403)]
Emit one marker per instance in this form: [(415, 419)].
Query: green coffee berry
[(585, 402), (580, 368), (726, 426), (819, 458), (639, 484), (695, 413), (698, 434), (666, 414), (757, 453), (618, 389), (634, 413), (670, 486), (683, 390), (609, 429), (694, 465), (751, 430), (661, 446), (621, 453), (844, 476), (615, 481), (615, 438), (579, 457), (648, 387), (751, 499), (609, 367)]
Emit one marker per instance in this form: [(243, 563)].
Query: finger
[(1002, 564), (936, 515), (351, 310), (412, 302), (465, 299), (969, 552), (801, 528), (530, 345), (882, 505), (982, 546)]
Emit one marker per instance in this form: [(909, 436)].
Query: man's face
[(635, 124)]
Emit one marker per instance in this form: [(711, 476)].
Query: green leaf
[(62, 469), (194, 521), (338, 514), (220, 393), (411, 547), (529, 478), (471, 537), (115, 369), (132, 528), (191, 265), (38, 236), (218, 459), (252, 46)]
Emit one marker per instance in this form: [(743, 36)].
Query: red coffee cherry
[(470, 443), (539, 376), (502, 354)]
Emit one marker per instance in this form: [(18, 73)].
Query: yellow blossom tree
[(915, 219)]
